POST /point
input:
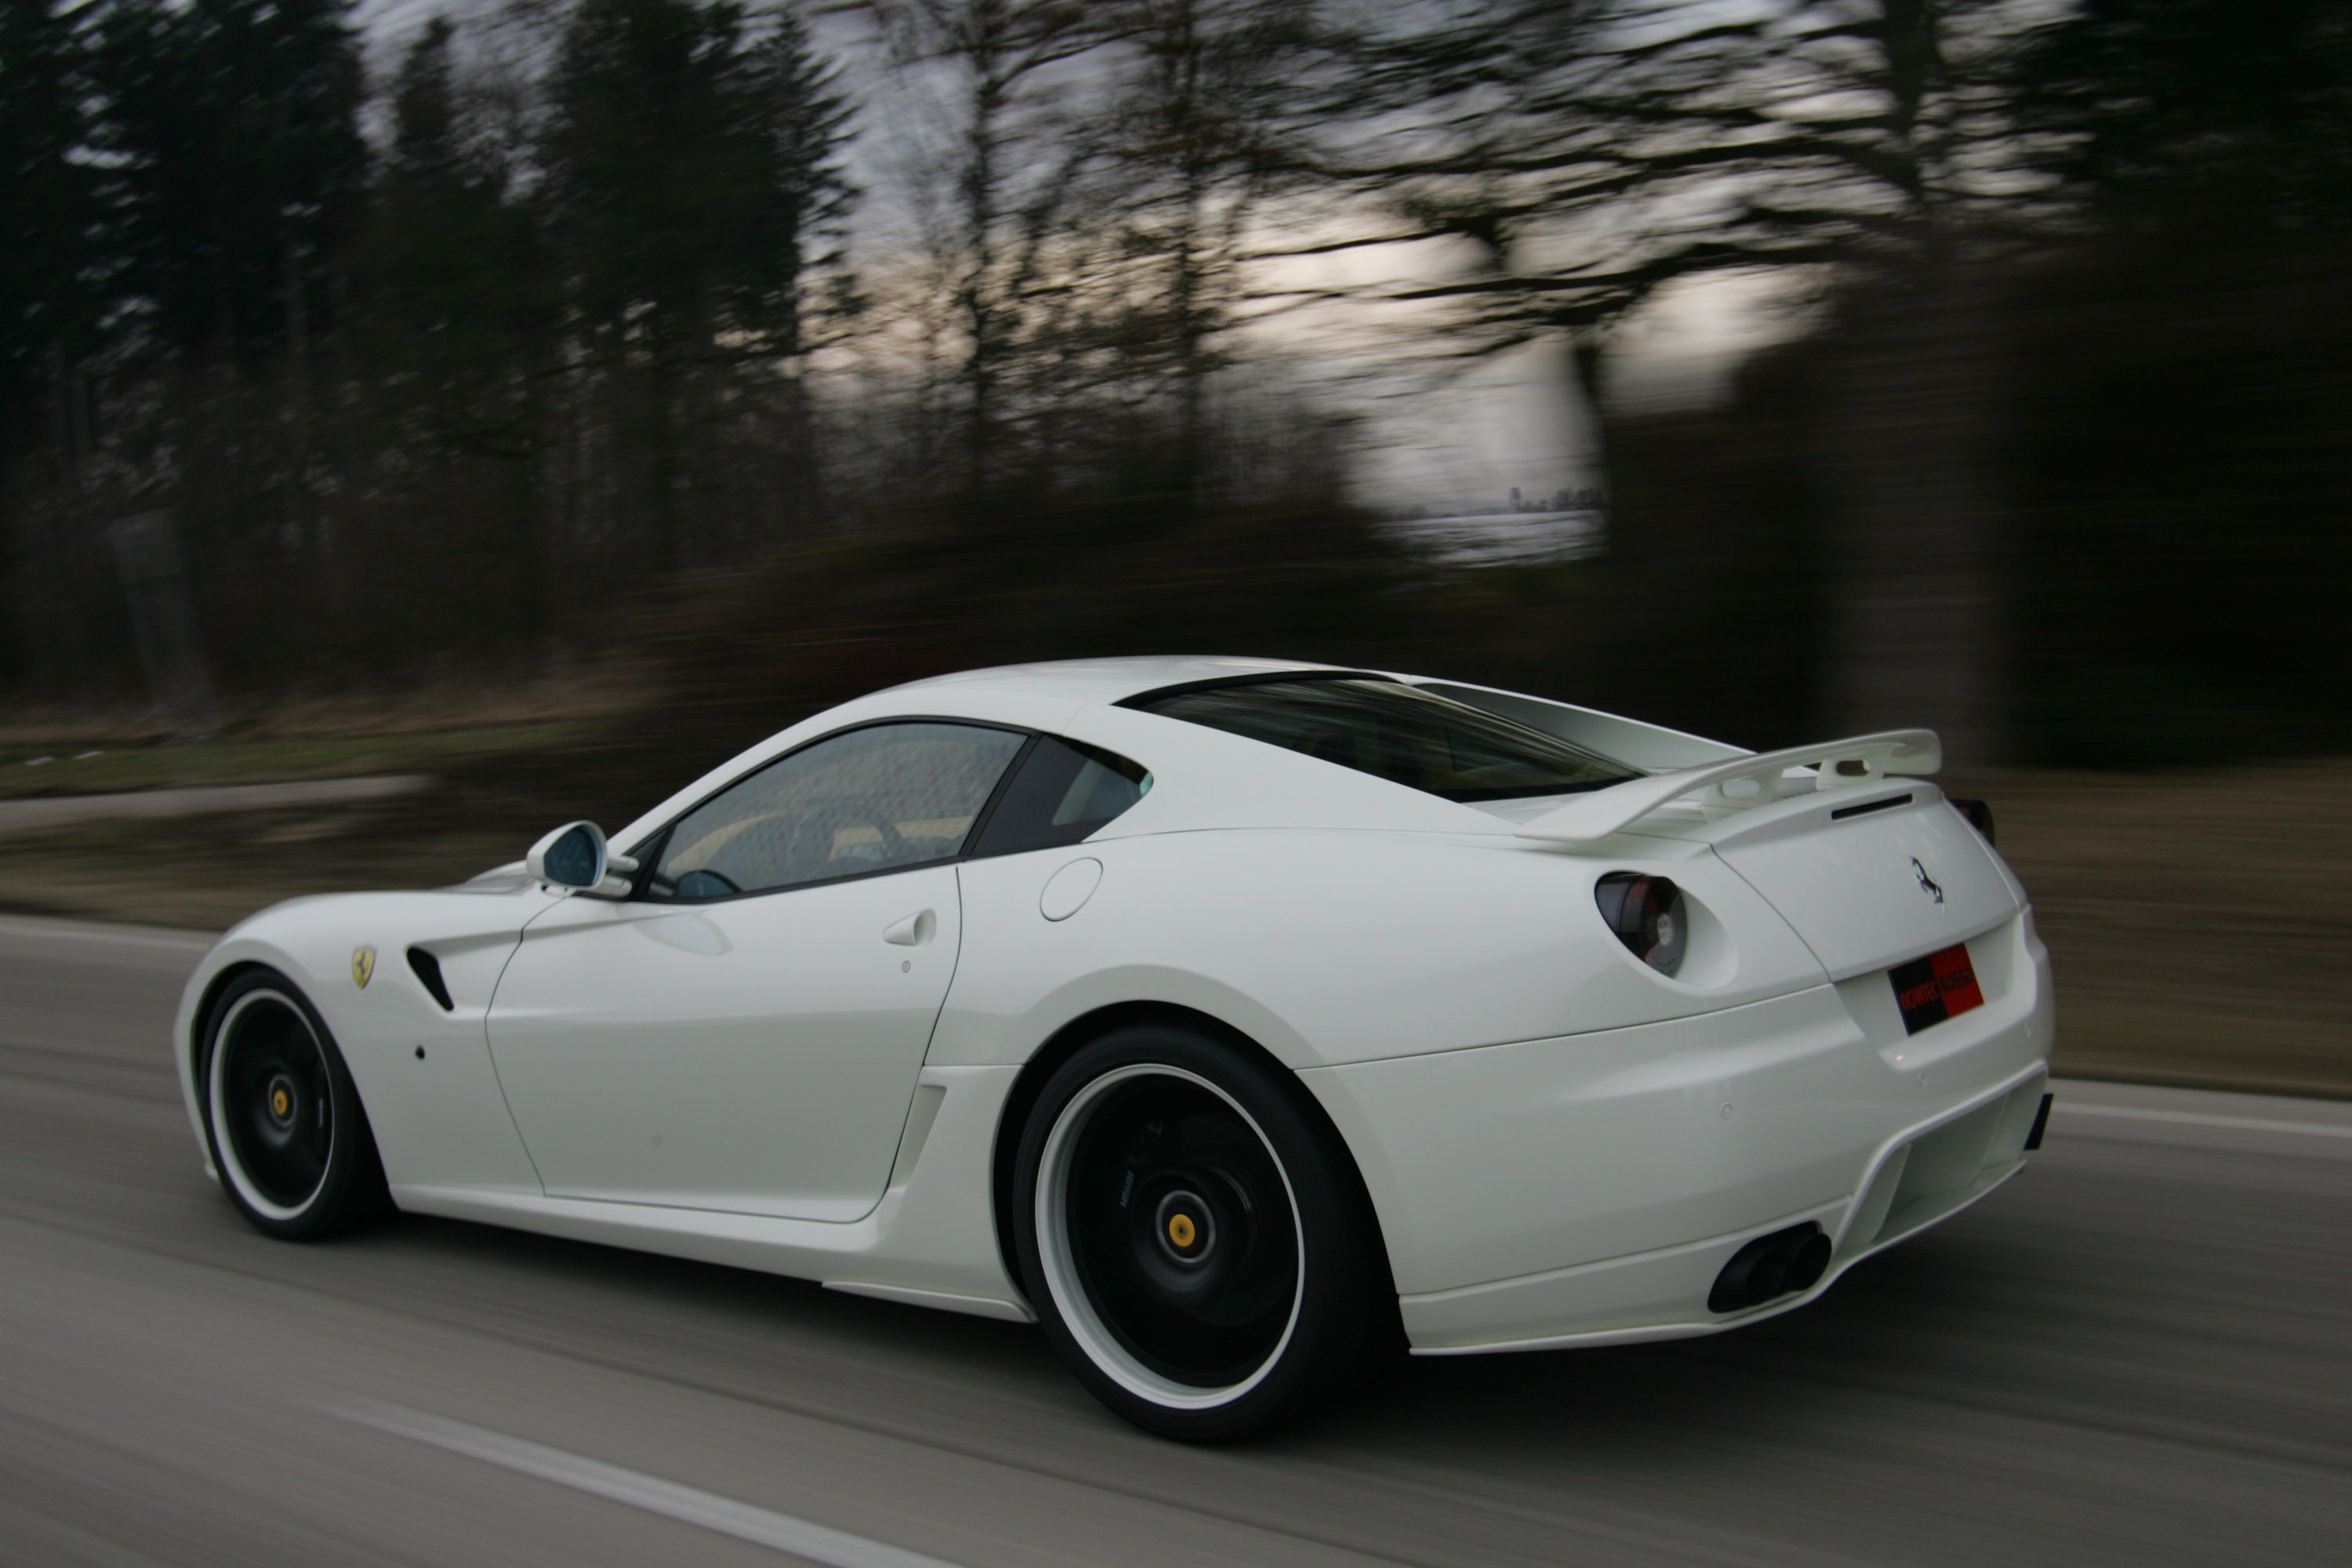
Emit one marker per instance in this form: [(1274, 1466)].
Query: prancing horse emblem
[(363, 958), (1927, 885)]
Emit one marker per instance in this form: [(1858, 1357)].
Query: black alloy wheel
[(1195, 1238), (282, 1119)]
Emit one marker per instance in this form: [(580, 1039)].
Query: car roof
[(1090, 680)]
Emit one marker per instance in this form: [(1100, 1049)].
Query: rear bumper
[(1587, 1189), (1924, 1174)]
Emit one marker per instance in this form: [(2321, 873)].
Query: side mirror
[(576, 855)]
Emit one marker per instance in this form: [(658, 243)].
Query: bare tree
[(1011, 171), (1205, 129)]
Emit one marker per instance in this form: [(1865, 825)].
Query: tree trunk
[(1911, 571)]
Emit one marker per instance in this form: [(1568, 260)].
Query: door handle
[(915, 931)]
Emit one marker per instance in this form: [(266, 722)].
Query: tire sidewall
[(1333, 1310), (351, 1193)]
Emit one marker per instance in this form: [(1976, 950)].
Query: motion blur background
[(524, 406)]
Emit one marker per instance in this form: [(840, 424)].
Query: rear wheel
[(1196, 1247), (286, 1132)]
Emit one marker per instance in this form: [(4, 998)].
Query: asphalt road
[(2140, 1351)]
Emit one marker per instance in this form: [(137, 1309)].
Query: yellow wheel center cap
[(1180, 1230), (282, 1103)]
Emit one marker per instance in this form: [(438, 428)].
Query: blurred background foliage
[(552, 396), (545, 338)]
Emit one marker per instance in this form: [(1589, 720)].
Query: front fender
[(423, 1071)]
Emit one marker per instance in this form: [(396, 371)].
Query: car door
[(744, 1033)]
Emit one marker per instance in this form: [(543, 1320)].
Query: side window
[(870, 800), (1062, 792)]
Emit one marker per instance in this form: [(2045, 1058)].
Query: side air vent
[(428, 973)]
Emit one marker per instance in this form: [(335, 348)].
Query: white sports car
[(1234, 1018)]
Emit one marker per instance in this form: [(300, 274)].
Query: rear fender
[(1329, 947)]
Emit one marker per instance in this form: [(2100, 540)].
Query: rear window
[(1397, 732)]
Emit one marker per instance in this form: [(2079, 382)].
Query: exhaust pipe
[(1781, 1264)]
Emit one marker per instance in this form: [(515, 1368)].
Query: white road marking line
[(2199, 1118), (834, 1548), (30, 813)]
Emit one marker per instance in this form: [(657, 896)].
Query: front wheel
[(1196, 1244), (287, 1135)]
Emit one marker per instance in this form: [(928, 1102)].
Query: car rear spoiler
[(1742, 782)]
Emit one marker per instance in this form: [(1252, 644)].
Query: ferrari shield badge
[(363, 966)]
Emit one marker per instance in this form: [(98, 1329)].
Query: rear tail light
[(1979, 815), (1647, 913)]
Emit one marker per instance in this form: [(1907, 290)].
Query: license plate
[(1939, 986)]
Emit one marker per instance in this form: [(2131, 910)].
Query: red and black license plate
[(1939, 986)]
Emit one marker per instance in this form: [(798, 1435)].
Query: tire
[(282, 1120), (1195, 1238)]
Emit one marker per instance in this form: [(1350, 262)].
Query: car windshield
[(1398, 732)]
